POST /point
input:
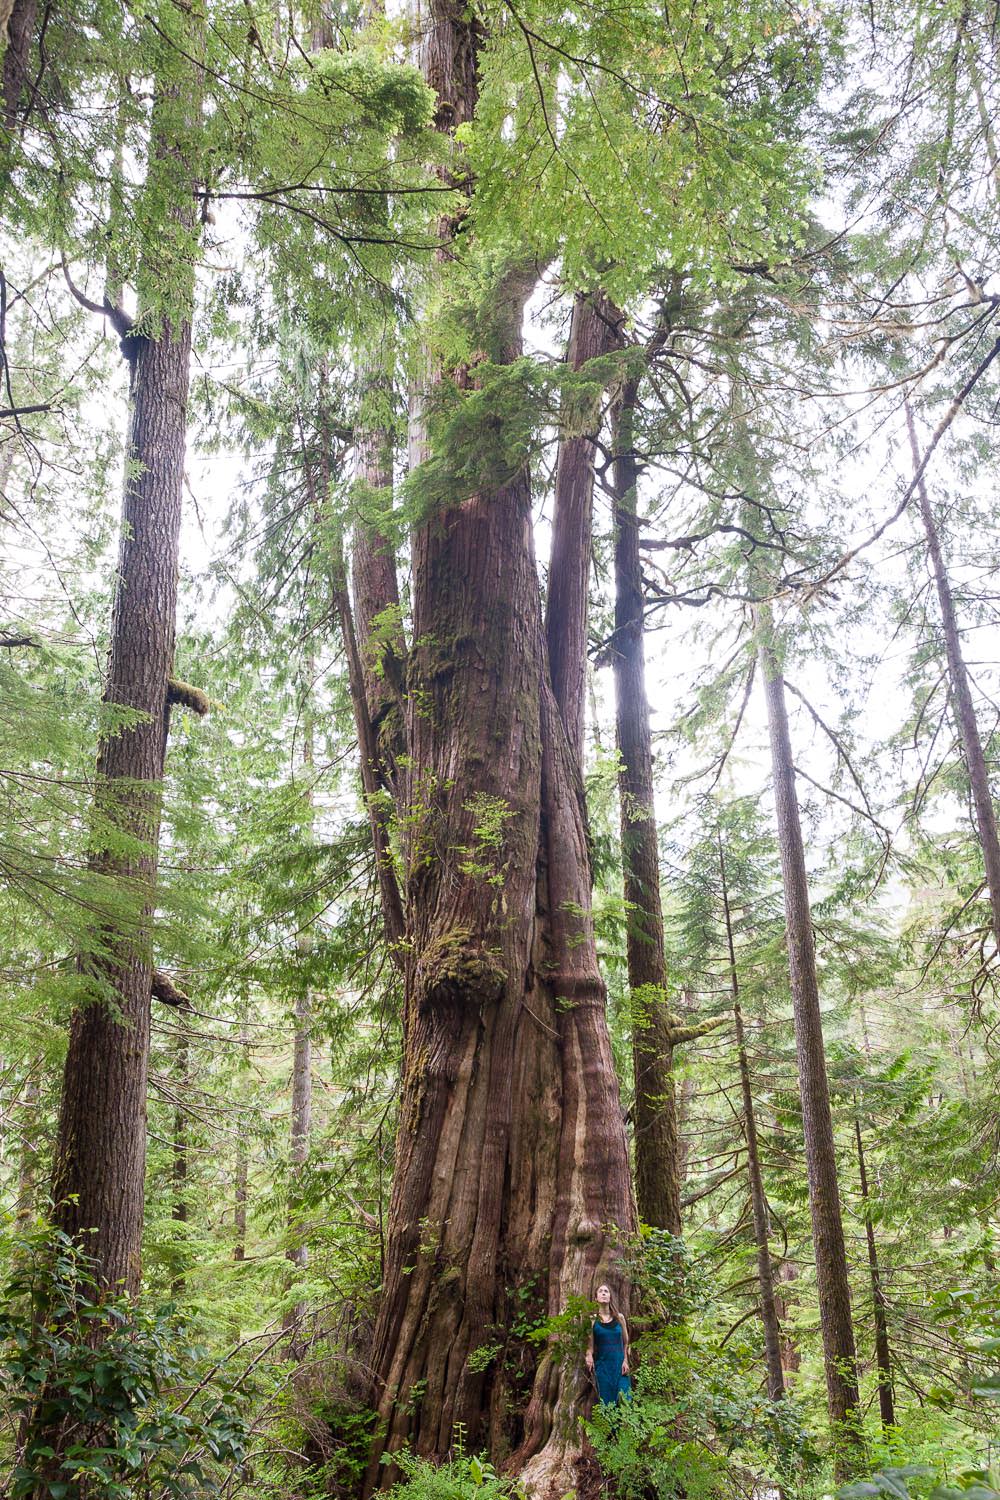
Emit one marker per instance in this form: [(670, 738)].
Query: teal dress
[(609, 1356)]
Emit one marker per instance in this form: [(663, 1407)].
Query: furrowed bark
[(961, 692), (593, 332), (511, 1185), (381, 642), (883, 1357), (758, 1199), (17, 29), (97, 1185), (833, 1285), (656, 1159)]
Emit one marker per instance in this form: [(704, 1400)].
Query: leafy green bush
[(111, 1399), (911, 1480), (697, 1425), (460, 1478)]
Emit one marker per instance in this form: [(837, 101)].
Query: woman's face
[(603, 1294)]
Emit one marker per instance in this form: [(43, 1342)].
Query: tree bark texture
[(17, 28), (880, 1309), (100, 1155), (758, 1199), (511, 1188), (656, 1159), (593, 332), (961, 693), (833, 1286)]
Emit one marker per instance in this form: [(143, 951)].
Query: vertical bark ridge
[(593, 332), (656, 1147), (98, 1172)]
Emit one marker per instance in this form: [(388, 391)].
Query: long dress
[(609, 1356)]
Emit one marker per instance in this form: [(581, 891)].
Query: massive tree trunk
[(961, 692), (758, 1200), (100, 1154), (833, 1285), (511, 1188), (883, 1358)]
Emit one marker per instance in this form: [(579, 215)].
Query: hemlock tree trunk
[(100, 1154), (758, 1200), (961, 692), (511, 1187), (833, 1285), (883, 1359), (655, 1032)]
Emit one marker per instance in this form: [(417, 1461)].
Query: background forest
[(506, 799)]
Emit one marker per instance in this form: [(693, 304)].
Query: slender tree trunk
[(302, 1055), (656, 1161), (791, 1360), (758, 1200), (242, 1166), (511, 1185), (301, 1104), (179, 1153), (961, 692), (832, 1280), (655, 1031), (593, 332), (883, 1361)]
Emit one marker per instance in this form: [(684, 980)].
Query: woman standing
[(607, 1351)]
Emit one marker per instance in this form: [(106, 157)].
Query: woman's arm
[(624, 1344)]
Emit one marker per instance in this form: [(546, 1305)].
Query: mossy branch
[(679, 1034), (167, 993), (188, 696)]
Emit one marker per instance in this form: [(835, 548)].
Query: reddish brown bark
[(833, 1285), (657, 1179), (381, 642), (961, 694), (593, 332), (511, 1186)]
